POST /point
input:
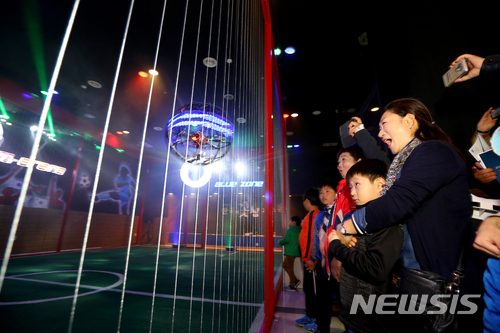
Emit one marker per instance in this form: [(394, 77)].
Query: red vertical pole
[(268, 178), (70, 197), (141, 218), (284, 205)]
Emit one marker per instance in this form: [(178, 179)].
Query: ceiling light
[(88, 115), (119, 132), (210, 62), (126, 132), (294, 115), (33, 128), (228, 97), (143, 74), (316, 113), (94, 84), (241, 120), (158, 128), (153, 72), (375, 109), (290, 50), (277, 51), (286, 115)]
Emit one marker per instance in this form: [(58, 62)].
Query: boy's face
[(327, 195), (307, 204), (363, 191)]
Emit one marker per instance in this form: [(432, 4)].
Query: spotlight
[(217, 166), (143, 74), (239, 167), (277, 52), (294, 115), (290, 50), (375, 109), (153, 72), (46, 92), (33, 128)]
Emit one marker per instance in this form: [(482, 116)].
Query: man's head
[(347, 157), (366, 180)]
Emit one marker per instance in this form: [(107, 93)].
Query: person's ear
[(380, 182), (410, 120)]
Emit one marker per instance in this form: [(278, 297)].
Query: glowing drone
[(200, 135)]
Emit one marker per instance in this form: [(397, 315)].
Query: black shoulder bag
[(425, 284)]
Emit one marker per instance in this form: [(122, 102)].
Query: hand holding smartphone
[(457, 71)]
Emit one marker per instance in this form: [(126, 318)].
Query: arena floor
[(196, 291)]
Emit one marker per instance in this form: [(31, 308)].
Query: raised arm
[(431, 166)]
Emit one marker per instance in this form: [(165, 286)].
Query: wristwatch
[(343, 231)]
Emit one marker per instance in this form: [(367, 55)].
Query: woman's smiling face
[(396, 131)]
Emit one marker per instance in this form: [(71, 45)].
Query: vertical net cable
[(199, 171), (36, 145), (138, 177), (225, 288), (184, 186), (98, 169)]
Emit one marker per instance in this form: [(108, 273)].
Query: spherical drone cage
[(199, 134)]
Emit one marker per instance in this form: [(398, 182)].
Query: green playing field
[(190, 291)]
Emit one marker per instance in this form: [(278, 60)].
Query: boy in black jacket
[(365, 267)]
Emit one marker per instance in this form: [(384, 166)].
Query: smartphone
[(460, 69), (495, 113), (345, 138)]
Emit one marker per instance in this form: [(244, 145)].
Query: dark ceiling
[(407, 49)]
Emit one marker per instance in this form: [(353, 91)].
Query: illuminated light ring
[(207, 174)]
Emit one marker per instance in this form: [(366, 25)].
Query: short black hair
[(369, 168), (330, 182), (312, 194), (355, 151), (297, 220)]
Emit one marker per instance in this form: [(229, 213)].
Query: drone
[(199, 134)]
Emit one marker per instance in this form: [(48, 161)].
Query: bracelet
[(482, 132), (359, 128)]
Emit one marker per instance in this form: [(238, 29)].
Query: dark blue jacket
[(432, 197)]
